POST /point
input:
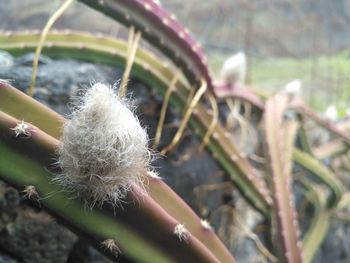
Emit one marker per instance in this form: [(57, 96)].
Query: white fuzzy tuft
[(22, 128), (181, 232), (5, 81), (154, 175), (104, 150), (30, 192), (293, 88), (110, 245), (206, 224), (234, 69), (331, 113)]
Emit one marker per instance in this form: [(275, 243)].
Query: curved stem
[(46, 29)]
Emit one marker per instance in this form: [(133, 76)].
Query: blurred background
[(283, 39)]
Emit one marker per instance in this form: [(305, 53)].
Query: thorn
[(206, 224), (145, 67), (165, 21), (110, 245), (181, 232), (234, 158), (250, 177), (22, 128), (154, 175), (30, 192), (148, 7)]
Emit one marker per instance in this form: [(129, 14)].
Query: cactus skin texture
[(159, 191), (110, 51), (21, 168), (140, 213), (279, 144)]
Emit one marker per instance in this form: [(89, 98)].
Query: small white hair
[(234, 69), (331, 113), (293, 88), (103, 151)]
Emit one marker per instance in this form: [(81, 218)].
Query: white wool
[(293, 88), (234, 69), (181, 232), (331, 113), (103, 150)]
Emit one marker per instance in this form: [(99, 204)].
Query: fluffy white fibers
[(103, 150)]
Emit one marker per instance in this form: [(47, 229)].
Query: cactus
[(140, 213), (322, 173), (20, 171), (161, 193), (112, 52), (320, 221), (279, 145)]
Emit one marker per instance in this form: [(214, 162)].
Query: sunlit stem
[(164, 108), (213, 122), (133, 43), (186, 117)]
